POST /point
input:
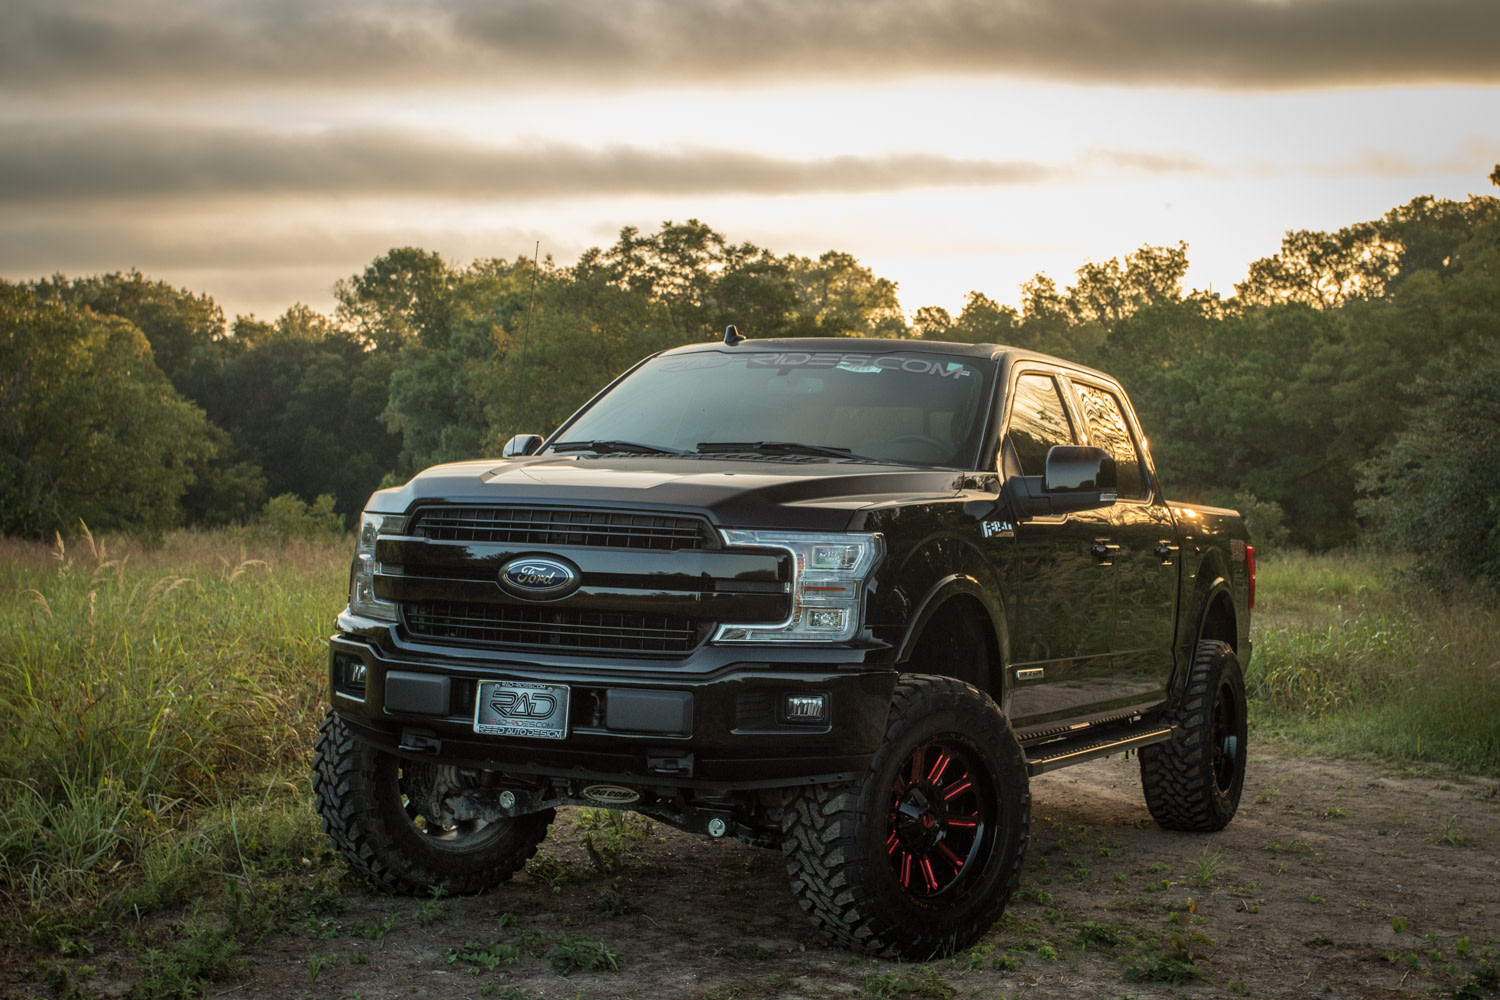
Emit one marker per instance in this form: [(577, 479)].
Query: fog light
[(805, 708), (826, 618), (349, 675)]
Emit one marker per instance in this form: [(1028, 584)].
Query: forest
[(1349, 389)]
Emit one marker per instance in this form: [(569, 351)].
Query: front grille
[(505, 625), (518, 525)]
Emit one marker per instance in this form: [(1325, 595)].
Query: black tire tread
[(821, 823), (346, 781), (1177, 776)]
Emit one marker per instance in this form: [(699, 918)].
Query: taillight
[(1250, 567)]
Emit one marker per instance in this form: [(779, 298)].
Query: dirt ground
[(1337, 878)]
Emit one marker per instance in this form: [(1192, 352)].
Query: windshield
[(906, 407)]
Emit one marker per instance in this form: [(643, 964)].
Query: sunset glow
[(259, 152)]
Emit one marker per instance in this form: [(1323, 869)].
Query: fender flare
[(939, 593), (1212, 582)]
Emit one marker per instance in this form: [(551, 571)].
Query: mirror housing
[(521, 445), (1076, 479)]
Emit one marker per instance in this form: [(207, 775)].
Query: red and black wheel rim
[(1228, 743), (942, 821)]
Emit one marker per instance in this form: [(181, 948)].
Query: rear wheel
[(1193, 781), (384, 814), (919, 857)]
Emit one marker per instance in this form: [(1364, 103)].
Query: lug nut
[(507, 799), (717, 827)]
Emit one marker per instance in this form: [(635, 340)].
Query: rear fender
[(1210, 614)]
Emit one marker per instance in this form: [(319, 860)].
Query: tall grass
[(144, 692), (157, 705), (1351, 655)]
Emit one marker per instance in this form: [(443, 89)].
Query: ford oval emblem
[(539, 578)]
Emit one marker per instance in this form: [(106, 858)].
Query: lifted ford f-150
[(837, 597)]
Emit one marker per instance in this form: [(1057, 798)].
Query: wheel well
[(959, 641), (1219, 623)]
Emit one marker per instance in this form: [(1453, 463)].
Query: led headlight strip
[(828, 576), (362, 599)]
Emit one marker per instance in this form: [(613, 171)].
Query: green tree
[(179, 325), (1437, 489), (404, 295), (1107, 293), (837, 296), (301, 400), (90, 428), (1326, 270)]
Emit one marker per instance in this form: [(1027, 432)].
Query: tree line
[(1348, 386)]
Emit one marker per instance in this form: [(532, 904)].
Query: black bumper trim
[(699, 716)]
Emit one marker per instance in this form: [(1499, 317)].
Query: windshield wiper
[(616, 448), (782, 448)]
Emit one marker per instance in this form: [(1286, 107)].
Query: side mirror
[(521, 444), (1079, 470), (1075, 479)]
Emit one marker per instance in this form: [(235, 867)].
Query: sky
[(259, 150)]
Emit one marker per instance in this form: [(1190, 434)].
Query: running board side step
[(1051, 756)]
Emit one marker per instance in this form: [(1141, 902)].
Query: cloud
[(48, 46), (1471, 159), (1149, 162), (76, 162)]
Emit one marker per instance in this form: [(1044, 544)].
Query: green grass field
[(157, 705), (1351, 657)]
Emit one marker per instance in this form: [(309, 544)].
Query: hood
[(801, 494)]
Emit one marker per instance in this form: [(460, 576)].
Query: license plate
[(522, 708)]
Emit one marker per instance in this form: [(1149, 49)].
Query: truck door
[(1063, 594), (1142, 545)]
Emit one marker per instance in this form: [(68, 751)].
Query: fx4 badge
[(997, 529), (523, 704)]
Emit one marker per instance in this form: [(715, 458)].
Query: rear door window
[(1104, 418)]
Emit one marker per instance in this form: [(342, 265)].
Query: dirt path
[(1337, 879)]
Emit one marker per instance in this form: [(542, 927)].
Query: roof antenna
[(731, 335)]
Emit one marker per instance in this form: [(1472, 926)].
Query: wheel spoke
[(936, 777), (956, 788), (948, 855)]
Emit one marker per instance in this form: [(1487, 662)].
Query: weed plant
[(156, 709), (1353, 656)]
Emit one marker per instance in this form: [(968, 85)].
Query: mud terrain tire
[(1193, 781), (919, 857), (369, 801)]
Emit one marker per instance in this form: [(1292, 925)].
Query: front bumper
[(721, 729)]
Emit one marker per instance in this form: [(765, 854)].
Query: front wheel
[(1193, 781), (920, 856), (383, 814)]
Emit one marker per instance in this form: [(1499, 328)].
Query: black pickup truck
[(837, 597)]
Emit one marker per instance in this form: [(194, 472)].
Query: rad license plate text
[(522, 708)]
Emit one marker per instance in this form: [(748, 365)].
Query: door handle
[(1105, 553), (1165, 551)]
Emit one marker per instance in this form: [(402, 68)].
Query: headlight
[(362, 599), (828, 578)]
